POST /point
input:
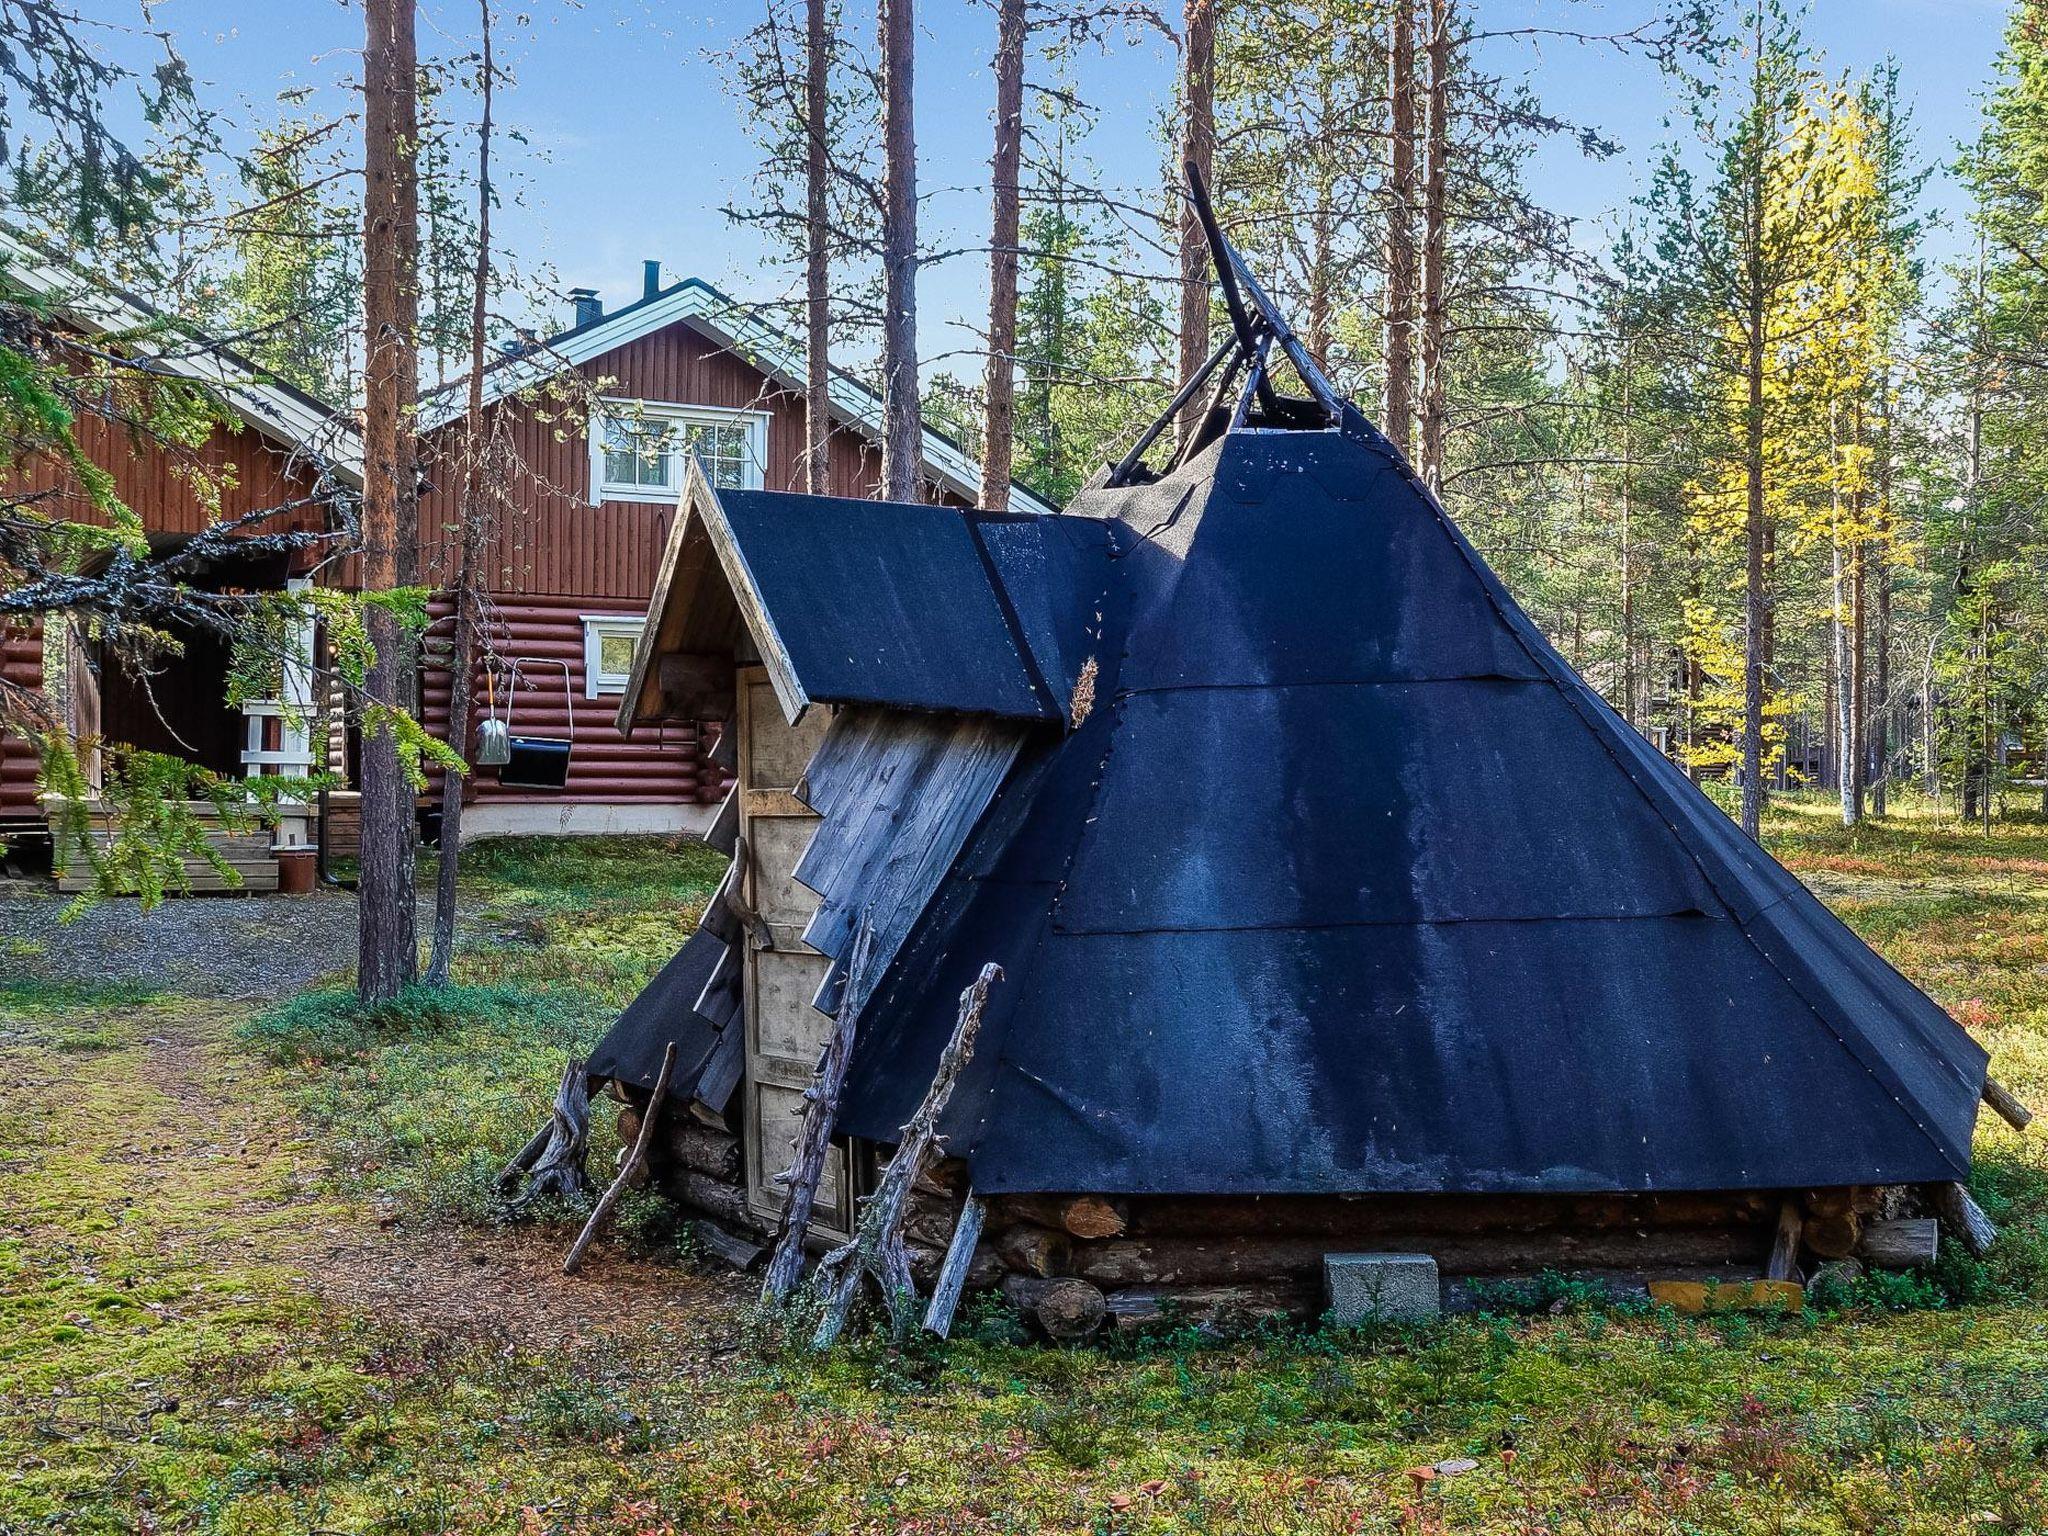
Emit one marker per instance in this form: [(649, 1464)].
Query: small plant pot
[(296, 871)]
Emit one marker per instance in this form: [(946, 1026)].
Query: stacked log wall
[(21, 666), (668, 764)]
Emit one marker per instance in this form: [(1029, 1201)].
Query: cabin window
[(609, 640), (639, 449)]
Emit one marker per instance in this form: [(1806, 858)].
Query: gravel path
[(202, 946)]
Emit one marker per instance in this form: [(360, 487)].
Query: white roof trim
[(280, 414), (740, 331)]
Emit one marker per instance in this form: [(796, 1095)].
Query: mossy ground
[(249, 1284)]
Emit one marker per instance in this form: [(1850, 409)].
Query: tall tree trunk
[(1840, 685), (999, 387), (1630, 707), (1859, 718), (1881, 650), (817, 250), (901, 415), (1397, 404), (388, 951), (1198, 148), (1754, 616), (1434, 423), (470, 550), (1841, 667)]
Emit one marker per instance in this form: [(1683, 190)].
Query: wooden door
[(784, 1032)]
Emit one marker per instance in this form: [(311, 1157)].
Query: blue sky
[(637, 146)]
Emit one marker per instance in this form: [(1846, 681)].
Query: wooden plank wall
[(158, 484), (554, 541)]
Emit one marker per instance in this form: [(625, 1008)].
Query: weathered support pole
[(1785, 1245), (553, 1160), (1966, 1218), (2007, 1105), (635, 1160), (938, 1317), (877, 1245)]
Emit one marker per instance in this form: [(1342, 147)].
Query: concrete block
[(1381, 1287)]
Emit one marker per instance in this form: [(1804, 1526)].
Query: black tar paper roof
[(1347, 883)]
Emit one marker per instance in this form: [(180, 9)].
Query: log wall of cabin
[(21, 666), (662, 764), (554, 557)]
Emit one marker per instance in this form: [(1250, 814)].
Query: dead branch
[(877, 1246)]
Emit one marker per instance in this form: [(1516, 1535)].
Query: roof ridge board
[(1109, 713), (1006, 607)]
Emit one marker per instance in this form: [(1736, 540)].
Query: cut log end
[(2006, 1104)]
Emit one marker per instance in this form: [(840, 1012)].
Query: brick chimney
[(650, 279), (585, 306)]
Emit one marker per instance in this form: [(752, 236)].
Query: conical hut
[(1336, 913)]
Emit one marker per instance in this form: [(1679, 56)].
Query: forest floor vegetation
[(253, 1279)]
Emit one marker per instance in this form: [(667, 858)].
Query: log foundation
[(1237, 1260)]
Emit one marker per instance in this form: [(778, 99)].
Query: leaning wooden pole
[(821, 1113), (632, 1165), (877, 1246)]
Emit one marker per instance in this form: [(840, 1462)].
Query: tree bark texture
[(1434, 425), (901, 415), (1398, 394), (999, 388), (476, 474), (388, 952), (817, 250), (1198, 148)]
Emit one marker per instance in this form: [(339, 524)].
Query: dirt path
[(502, 1286), (218, 1161)]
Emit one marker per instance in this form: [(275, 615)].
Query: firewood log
[(1065, 1308), (1034, 1250), (1144, 1306), (1833, 1236), (1908, 1244), (1077, 1215), (1120, 1262)]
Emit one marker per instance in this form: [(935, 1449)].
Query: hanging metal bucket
[(538, 762)]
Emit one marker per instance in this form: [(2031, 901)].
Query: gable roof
[(740, 330), (855, 601), (287, 416)]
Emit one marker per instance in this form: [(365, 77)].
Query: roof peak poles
[(1256, 329)]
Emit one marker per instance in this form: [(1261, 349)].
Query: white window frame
[(596, 628), (669, 413)]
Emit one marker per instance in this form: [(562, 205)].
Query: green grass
[(158, 1372), (419, 1102)]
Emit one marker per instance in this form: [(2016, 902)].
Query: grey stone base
[(1380, 1287)]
